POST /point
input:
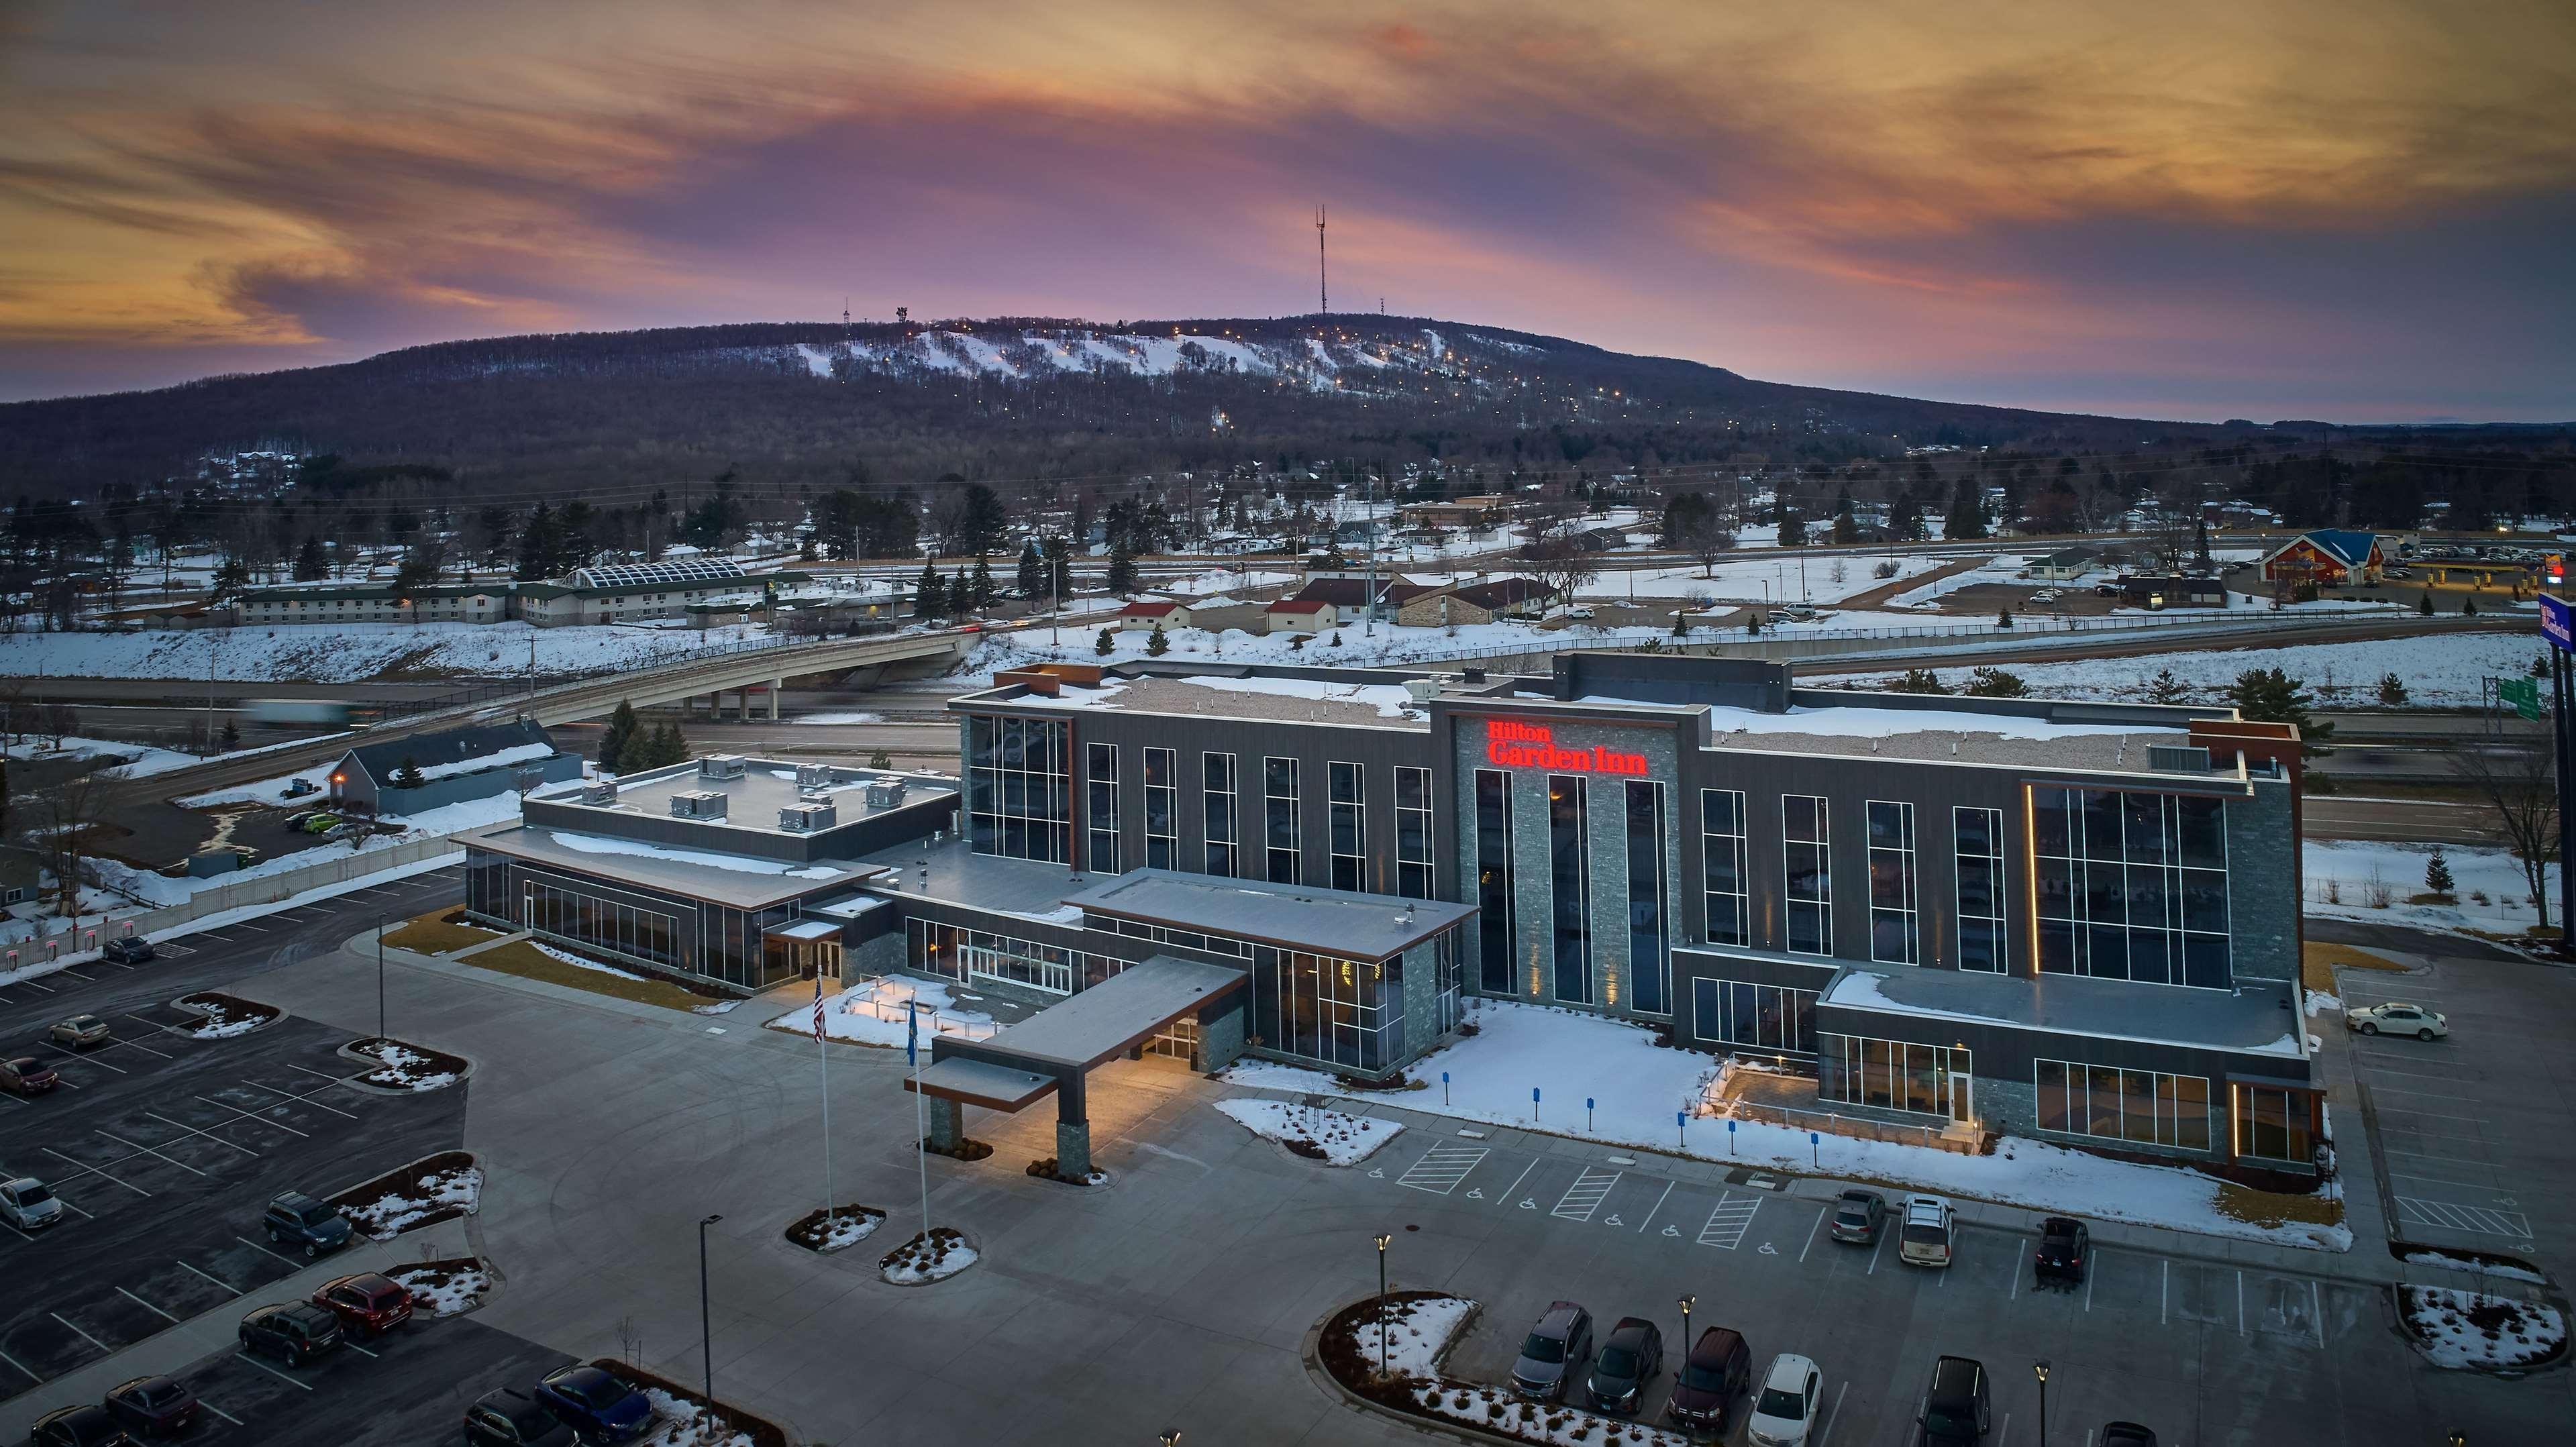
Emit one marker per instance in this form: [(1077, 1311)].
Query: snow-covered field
[(1328, 1135), (141, 760), (2368, 879), (873, 1013), (2463, 1329), (1784, 578), (2438, 670), (1389, 644), (350, 652)]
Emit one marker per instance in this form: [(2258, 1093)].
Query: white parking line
[(1729, 1220), (353, 1346), (243, 1115), (2240, 1303), (2429, 1156), (92, 1059), (205, 1131), (2441, 1181), (1834, 1416), (2164, 1297), (254, 929), (264, 1251), (2429, 1114), (2409, 1090), (218, 1411), (217, 1280), (1651, 1210), (1442, 1168), (1883, 1234), (90, 1170), (1812, 1230), (1585, 1196), (76, 1331), (247, 1358), (2456, 1217), (2317, 1305), (2090, 1276), (2414, 1074), (147, 1150), (1516, 1183), (304, 1099), (13, 1361), (147, 1306)]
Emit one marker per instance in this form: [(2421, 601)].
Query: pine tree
[(880, 759), (2424, 605), (2437, 875), (1920, 680), (961, 592), (2003, 618), (409, 775), (619, 738), (2267, 695), (1793, 529), (1156, 644), (983, 587), (1122, 566), (2468, 607), (230, 738), (2165, 688), (929, 594), (311, 565), (1995, 683), (2392, 691), (1031, 580), (1104, 645), (1967, 515), (1681, 623)]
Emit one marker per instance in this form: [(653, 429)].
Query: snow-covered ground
[(1638, 1088), (581, 961), (1418, 1332), (1389, 644), (678, 1423), (1779, 578), (141, 760), (2463, 1329), (2349, 878), (458, 1189), (345, 653), (399, 1067), (1328, 1135), (921, 1260), (873, 1013), (161, 889), (443, 1290), (839, 718), (2438, 670), (1220, 581), (2483, 1268)]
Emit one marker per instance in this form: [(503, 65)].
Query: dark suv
[(131, 950), (317, 1226), (1718, 1370), (2063, 1245), (294, 1331), (600, 1407), (513, 1419), (1553, 1351), (1956, 1410), (1631, 1356)]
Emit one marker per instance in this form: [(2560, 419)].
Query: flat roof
[(766, 786), (738, 880), (806, 929), (1334, 922), (980, 1082), (1252, 696), (1108, 1018), (2258, 1017), (952, 872)]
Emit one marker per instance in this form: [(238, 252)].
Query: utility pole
[(1369, 502), (1323, 297)]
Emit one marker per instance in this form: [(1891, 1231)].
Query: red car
[(366, 1303), (26, 1075), (153, 1406)]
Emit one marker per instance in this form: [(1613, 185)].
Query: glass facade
[(963, 954), (1330, 1011), (1806, 850), (1649, 968), (1279, 818), (1895, 921), (2132, 886), (1978, 856), (1345, 788), (2142, 1107), (1494, 883), (1223, 834), (1570, 865), (1413, 836), (1893, 1075), (602, 923), (1101, 814), (1019, 791), (1722, 861), (1754, 1017), (2272, 1124), (1162, 809)]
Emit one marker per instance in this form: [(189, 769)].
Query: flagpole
[(823, 1053), (920, 1126)]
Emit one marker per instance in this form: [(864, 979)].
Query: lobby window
[(1413, 833), (2273, 1125), (1896, 1075), (1895, 928), (1349, 824), (2131, 886), (1754, 1017), (1162, 808), (962, 954), (1722, 866), (1805, 851), (1019, 788), (1102, 815), (1570, 864), (1279, 818), (601, 922), (1979, 858), (1224, 838), (1338, 1012), (2144, 1107), (1494, 882), (1648, 966)]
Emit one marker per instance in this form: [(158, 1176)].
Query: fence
[(940, 1021), (1857, 1127)]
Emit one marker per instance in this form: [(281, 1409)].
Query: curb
[(2406, 1330)]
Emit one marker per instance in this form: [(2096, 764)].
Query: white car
[(1784, 1412), (2395, 1017), (27, 1204), (1924, 1238)]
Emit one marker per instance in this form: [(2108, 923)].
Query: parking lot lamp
[(380, 977), (1686, 1340), (1382, 1239), (1172, 1438), (2039, 1369), (706, 1319)]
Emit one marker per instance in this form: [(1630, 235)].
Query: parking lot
[(412, 1385)]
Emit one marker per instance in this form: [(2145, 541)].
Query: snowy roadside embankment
[(2439, 670), (349, 652), (2379, 880)]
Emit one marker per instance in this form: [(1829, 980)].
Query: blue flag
[(911, 1034)]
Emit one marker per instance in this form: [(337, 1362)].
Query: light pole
[(1383, 1238), (2040, 1369), (706, 1319), (1172, 1437), (1686, 1337), (380, 977)]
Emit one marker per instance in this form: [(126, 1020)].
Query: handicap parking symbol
[(1476, 1193), (1377, 1174), (1768, 1250), (1670, 1231), (1612, 1221), (1528, 1204)]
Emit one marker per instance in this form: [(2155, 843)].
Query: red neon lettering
[(1533, 746)]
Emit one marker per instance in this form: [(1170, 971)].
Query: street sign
[(2522, 693), (2555, 624)]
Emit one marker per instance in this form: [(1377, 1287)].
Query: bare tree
[(56, 823), (2519, 778), (1559, 561)]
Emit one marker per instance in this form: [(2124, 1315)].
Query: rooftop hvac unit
[(2177, 759), (602, 790), (813, 776), (720, 766), (885, 793), (808, 818), (702, 804)]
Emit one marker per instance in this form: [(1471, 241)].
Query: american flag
[(818, 1005)]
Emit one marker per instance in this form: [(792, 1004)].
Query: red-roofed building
[(1146, 614), (1298, 615)]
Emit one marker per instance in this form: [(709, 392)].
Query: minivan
[(1718, 1370)]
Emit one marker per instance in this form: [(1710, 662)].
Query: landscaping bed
[(558, 966), (2490, 1263), (966, 1149), (440, 932), (1319, 1135), (1045, 1169), (1420, 1325), (406, 1067), (847, 1226), (2468, 1331), (224, 1016), (681, 1418), (935, 1255), (450, 1287), (432, 1189)]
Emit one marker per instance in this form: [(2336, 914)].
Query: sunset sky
[(2350, 209)]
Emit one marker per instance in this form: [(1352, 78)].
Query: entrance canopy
[(1053, 1048)]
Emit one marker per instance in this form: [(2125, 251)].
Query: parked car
[(78, 1427), (1630, 1357), (1925, 1237), (513, 1419), (293, 1331), (27, 1075), (298, 1219), (1718, 1370), (29, 1205), (2126, 1434), (131, 950), (1956, 1409), (2064, 1246), (1857, 1215), (367, 1303), (153, 1406), (1793, 1392), (1552, 1351), (2395, 1017), (80, 1032), (599, 1406)]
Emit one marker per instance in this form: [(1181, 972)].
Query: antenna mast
[(1323, 298)]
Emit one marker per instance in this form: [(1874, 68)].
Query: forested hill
[(1008, 398)]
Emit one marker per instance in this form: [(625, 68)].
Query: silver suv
[(1553, 1351)]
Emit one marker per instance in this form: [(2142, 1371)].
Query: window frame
[(1905, 915), (1282, 863), (1415, 823), (1163, 849), (1736, 845), (1818, 908), (1351, 864), (1995, 927), (1221, 857)]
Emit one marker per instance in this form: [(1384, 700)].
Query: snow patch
[(1327, 1135)]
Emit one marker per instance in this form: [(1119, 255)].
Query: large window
[(1162, 808), (2273, 1125), (1570, 861), (1019, 792), (1279, 798), (1413, 833), (1349, 824), (2139, 1106), (1101, 818), (1806, 854), (1895, 926), (1224, 838), (1333, 1011), (1979, 856), (2132, 886), (1648, 965), (1494, 883), (962, 954), (601, 923), (1895, 1075), (1755, 1017), (1722, 862)]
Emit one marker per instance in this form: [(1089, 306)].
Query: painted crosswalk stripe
[(1442, 1168), (1584, 1197), (2457, 1217), (1727, 1223)]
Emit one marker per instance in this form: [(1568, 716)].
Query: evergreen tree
[(1122, 566), (2165, 688), (961, 592), (2437, 875), (1793, 529), (1846, 525), (1156, 644), (1104, 645), (1055, 579), (230, 738), (1920, 680), (1031, 580), (2003, 618), (1995, 683), (2468, 607), (929, 594), (1681, 623), (880, 759), (409, 775), (2392, 691), (619, 738), (983, 586), (311, 565), (2267, 695), (2424, 605), (1967, 515)]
